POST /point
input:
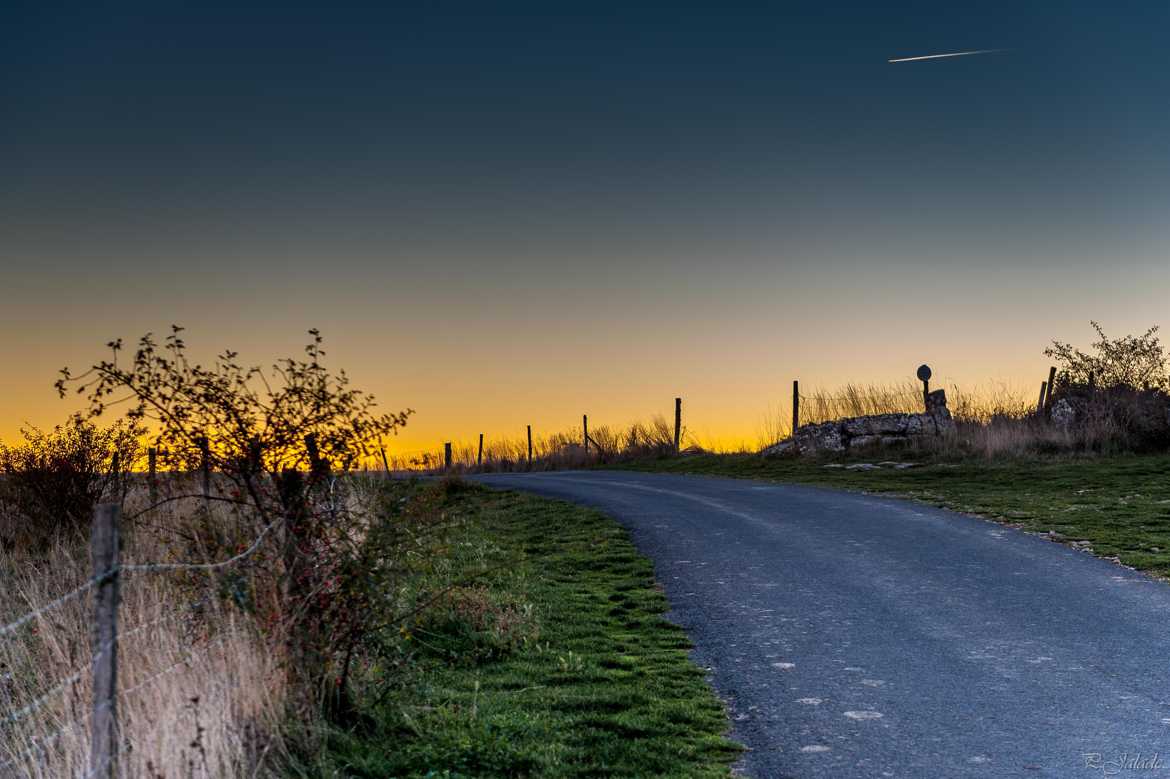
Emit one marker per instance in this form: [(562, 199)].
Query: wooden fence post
[(479, 457), (152, 462), (795, 406), (255, 457), (585, 431), (1040, 403), (103, 754), (385, 462), (205, 464), (530, 446), (677, 424), (318, 465), (296, 583), (116, 474), (447, 455), (1051, 385)]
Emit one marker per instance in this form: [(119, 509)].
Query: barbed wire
[(158, 567), (44, 742), (78, 672), (35, 705), (12, 627), (186, 661), (169, 617)]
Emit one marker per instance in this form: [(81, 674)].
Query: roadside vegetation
[(544, 653), (285, 614)]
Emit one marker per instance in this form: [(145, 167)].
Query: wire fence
[(84, 700)]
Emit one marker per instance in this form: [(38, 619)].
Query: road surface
[(857, 636)]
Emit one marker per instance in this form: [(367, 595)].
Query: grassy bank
[(544, 653), (1115, 506)]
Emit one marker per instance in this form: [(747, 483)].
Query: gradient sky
[(503, 214)]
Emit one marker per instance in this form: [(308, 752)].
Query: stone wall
[(878, 430)]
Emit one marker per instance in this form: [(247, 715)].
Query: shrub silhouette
[(54, 479)]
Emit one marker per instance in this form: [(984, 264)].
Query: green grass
[(556, 663), (1120, 505)]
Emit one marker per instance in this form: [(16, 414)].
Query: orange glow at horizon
[(494, 350)]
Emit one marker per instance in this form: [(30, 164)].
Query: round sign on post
[(924, 377)]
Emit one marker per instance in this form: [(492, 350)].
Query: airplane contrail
[(939, 56)]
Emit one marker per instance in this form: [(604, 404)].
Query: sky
[(508, 214)]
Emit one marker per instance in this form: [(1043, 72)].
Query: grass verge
[(1117, 507), (545, 653)]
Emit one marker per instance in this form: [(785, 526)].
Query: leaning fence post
[(103, 754), (447, 455), (479, 457), (677, 424), (1051, 385), (530, 446), (1040, 403), (385, 462), (795, 406)]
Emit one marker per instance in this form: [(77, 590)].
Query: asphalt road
[(856, 636)]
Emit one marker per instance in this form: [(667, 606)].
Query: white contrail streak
[(939, 56)]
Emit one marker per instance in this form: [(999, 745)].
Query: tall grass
[(564, 449), (993, 421), (201, 687)]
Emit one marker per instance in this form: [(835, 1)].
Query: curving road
[(856, 636)]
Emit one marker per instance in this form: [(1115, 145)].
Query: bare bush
[(52, 481), (1131, 361)]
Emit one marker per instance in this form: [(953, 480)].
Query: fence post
[(1040, 403), (255, 457), (530, 446), (103, 754), (116, 474), (385, 462), (205, 463), (479, 457), (677, 424), (152, 461), (585, 431), (795, 406), (1051, 384), (447, 455), (318, 465)]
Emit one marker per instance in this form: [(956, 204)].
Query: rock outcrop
[(877, 430)]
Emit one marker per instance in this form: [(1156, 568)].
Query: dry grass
[(992, 422), (201, 691), (557, 451)]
